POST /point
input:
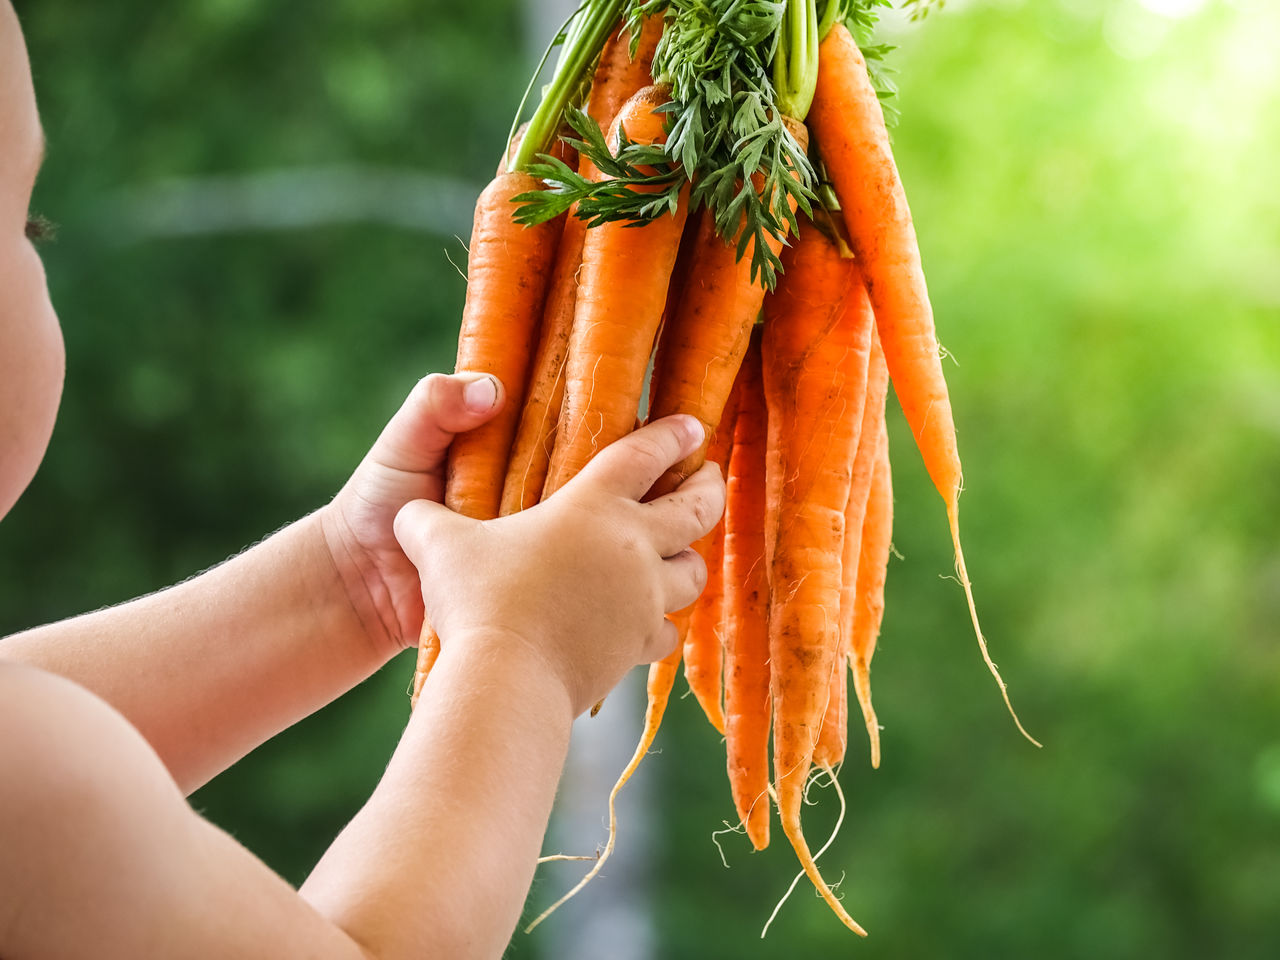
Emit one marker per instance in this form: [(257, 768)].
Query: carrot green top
[(736, 70)]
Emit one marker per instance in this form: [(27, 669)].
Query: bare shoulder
[(80, 792), (68, 759), (57, 736), (101, 856)]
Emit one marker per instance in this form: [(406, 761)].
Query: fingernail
[(693, 431), (480, 395)]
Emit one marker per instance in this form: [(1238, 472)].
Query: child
[(107, 720)]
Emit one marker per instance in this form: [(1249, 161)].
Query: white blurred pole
[(613, 916), (541, 19)]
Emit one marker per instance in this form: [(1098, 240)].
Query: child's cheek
[(32, 365)]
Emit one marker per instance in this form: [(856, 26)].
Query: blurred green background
[(258, 204)]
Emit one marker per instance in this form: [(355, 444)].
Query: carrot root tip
[(862, 686), (739, 827), (809, 860), (954, 521)]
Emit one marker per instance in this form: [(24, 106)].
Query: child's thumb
[(440, 407), (421, 523)]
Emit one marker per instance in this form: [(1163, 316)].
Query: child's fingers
[(683, 577), (630, 466), (691, 512), (439, 407), (419, 523), (662, 644)]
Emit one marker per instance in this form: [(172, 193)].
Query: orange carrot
[(702, 348), (746, 607), (864, 466), (507, 272), (873, 562), (617, 77), (621, 295), (833, 735), (817, 339), (531, 449), (703, 641), (847, 120)]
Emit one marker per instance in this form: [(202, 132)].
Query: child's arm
[(539, 615), (212, 667)]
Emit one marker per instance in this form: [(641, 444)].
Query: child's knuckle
[(704, 512)]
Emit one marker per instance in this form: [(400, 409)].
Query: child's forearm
[(440, 859), (435, 865), (212, 667)]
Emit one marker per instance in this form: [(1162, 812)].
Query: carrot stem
[(795, 65), (584, 38)]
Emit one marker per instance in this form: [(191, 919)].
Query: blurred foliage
[(1094, 188)]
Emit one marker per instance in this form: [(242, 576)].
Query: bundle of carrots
[(671, 141)]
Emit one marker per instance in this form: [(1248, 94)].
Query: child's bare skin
[(107, 720)]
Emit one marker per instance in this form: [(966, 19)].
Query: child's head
[(31, 355)]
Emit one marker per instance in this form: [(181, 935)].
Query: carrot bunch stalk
[(785, 356)]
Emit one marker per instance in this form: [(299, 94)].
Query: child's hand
[(407, 462), (582, 580)]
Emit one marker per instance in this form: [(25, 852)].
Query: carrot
[(834, 737), (621, 295), (531, 449), (816, 342), (847, 121), (507, 272), (675, 292), (833, 734), (864, 466), (703, 342), (617, 77), (701, 351), (703, 641), (746, 607), (661, 679), (873, 562)]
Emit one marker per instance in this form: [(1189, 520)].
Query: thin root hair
[(835, 831)]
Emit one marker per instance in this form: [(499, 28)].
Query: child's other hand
[(584, 579), (407, 462)]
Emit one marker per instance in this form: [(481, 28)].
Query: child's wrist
[(511, 666), (347, 596)]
